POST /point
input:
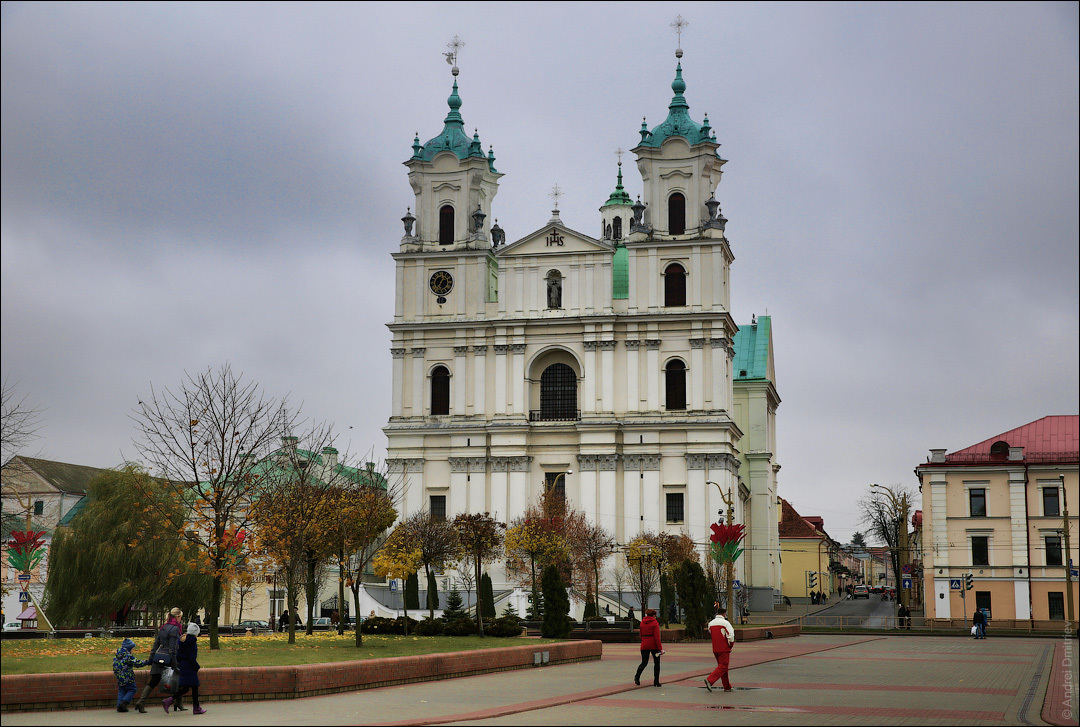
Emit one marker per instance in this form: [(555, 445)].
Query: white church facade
[(598, 365)]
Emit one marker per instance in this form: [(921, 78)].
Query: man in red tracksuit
[(723, 638)]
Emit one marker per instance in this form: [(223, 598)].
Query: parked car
[(255, 625), (860, 592), (13, 626), (321, 624)]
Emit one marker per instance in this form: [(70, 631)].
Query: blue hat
[(127, 644)]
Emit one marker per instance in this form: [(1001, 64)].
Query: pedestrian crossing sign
[(954, 584)]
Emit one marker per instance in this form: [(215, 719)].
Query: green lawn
[(42, 656)]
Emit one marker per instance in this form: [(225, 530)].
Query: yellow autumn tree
[(399, 557)]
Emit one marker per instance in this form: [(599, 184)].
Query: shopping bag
[(168, 680), (974, 630)]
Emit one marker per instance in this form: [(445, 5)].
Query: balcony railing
[(564, 415)]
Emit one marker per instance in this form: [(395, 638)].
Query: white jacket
[(729, 630)]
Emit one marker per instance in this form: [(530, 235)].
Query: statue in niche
[(554, 289)]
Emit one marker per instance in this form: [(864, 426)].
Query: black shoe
[(637, 681), (140, 708), (656, 684), (121, 708)]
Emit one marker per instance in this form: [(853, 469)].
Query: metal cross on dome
[(679, 24), (618, 153), (555, 193), (455, 47)]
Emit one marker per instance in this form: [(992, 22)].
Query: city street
[(814, 679)]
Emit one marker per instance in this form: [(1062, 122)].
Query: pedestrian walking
[(163, 656), (187, 660), (723, 638), (650, 644), (978, 620), (630, 615), (123, 666), (284, 623)]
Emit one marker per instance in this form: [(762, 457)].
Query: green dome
[(453, 137), (678, 121), (619, 196)]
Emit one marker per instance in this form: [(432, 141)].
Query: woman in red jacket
[(650, 644)]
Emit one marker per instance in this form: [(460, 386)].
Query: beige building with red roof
[(997, 510)]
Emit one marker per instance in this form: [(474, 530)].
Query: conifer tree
[(432, 592), (412, 592), (488, 596), (557, 624)]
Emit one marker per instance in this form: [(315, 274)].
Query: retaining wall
[(24, 692)]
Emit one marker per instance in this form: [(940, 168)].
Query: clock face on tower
[(441, 282)]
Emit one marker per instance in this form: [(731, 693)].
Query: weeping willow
[(124, 551)]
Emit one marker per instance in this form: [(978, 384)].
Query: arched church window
[(558, 393), (616, 228), (440, 390), (674, 285), (446, 225), (675, 385), (676, 210), (554, 289)]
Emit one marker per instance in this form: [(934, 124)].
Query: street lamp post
[(729, 574), (900, 506)]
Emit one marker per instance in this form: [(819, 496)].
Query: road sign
[(1074, 572), (24, 576), (393, 584), (24, 597), (905, 569), (905, 582), (954, 584), (736, 585)]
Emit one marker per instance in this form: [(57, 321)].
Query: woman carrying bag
[(163, 656), (187, 658)]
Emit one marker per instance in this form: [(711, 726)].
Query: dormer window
[(676, 209), (999, 451), (446, 225), (674, 286)]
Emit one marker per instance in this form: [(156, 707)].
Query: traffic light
[(967, 582), (812, 579)]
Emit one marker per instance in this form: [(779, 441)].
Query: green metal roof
[(678, 121), (752, 350), (355, 474), (620, 273), (75, 510), (620, 195), (453, 137)]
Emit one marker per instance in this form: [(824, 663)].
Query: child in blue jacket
[(123, 666)]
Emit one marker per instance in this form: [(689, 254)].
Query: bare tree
[(437, 541), (206, 440), (591, 546), (883, 520), (19, 422)]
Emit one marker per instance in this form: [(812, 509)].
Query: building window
[(39, 507), (980, 550), (555, 484), (999, 451), (438, 507), (1051, 503), (675, 380), (1053, 550), (616, 228), (977, 498), (558, 393), (676, 211), (674, 286), (1055, 600), (674, 507), (982, 602), (446, 225), (554, 289), (440, 390)]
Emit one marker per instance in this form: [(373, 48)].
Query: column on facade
[(630, 524), (606, 494), (457, 500), (940, 545), (407, 474), (517, 374), (717, 266), (460, 380), (698, 514), (633, 403), (1019, 526), (399, 286), (607, 373), (587, 498), (479, 372), (651, 507), (652, 374), (500, 378), (419, 292), (697, 378), (589, 376), (396, 406), (418, 380), (500, 486), (697, 274), (654, 278), (519, 484), (590, 288), (718, 370)]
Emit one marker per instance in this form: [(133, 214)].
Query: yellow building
[(996, 510), (804, 549)]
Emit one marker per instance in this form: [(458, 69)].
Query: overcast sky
[(188, 185)]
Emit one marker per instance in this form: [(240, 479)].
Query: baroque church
[(601, 366)]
